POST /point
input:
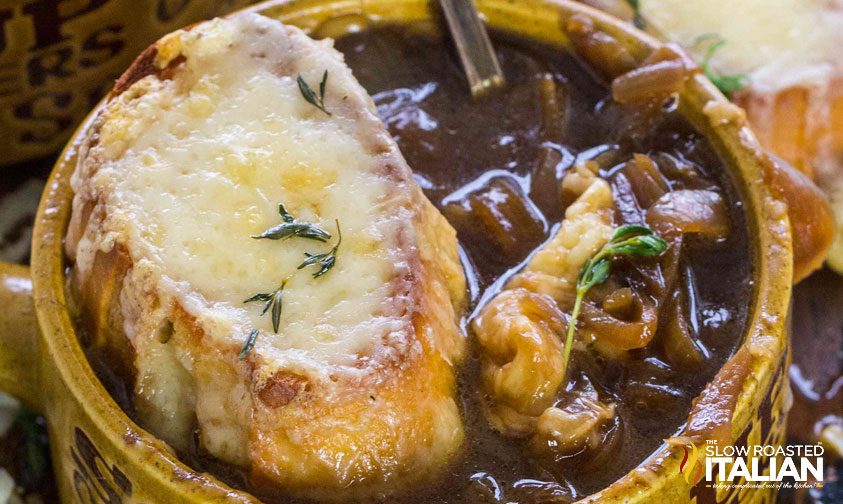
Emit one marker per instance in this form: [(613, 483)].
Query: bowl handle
[(19, 355)]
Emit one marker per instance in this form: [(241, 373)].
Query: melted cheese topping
[(356, 393), (779, 43), (200, 164)]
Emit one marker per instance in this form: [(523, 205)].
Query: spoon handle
[(473, 45)]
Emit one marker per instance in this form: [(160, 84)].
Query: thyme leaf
[(292, 227), (300, 229), (285, 215), (310, 96), (727, 84), (270, 300), (276, 307), (249, 344), (637, 19), (327, 260), (631, 241)]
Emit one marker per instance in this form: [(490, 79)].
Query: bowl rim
[(765, 336)]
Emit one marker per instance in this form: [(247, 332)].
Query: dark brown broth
[(457, 146)]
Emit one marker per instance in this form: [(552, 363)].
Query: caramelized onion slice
[(554, 97), (553, 159), (672, 52), (811, 220), (649, 388), (661, 279), (648, 82), (499, 218), (681, 348), (646, 180), (574, 424), (711, 411), (663, 73), (618, 333), (621, 304), (690, 211), (601, 50)]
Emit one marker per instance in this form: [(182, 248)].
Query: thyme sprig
[(249, 343), (637, 18), (292, 227), (271, 300), (727, 84), (327, 260), (631, 241), (310, 95)]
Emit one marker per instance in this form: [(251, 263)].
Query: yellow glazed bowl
[(100, 455)]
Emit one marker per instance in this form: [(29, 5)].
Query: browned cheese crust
[(360, 408)]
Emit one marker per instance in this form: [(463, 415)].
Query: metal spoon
[(473, 46)]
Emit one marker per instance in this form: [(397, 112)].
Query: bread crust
[(330, 427)]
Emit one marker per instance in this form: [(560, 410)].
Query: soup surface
[(494, 167)]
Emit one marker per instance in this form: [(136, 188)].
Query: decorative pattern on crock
[(90, 485), (767, 427)]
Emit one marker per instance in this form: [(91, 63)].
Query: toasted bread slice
[(201, 140), (787, 55)]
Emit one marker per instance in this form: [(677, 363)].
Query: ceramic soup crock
[(100, 455)]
